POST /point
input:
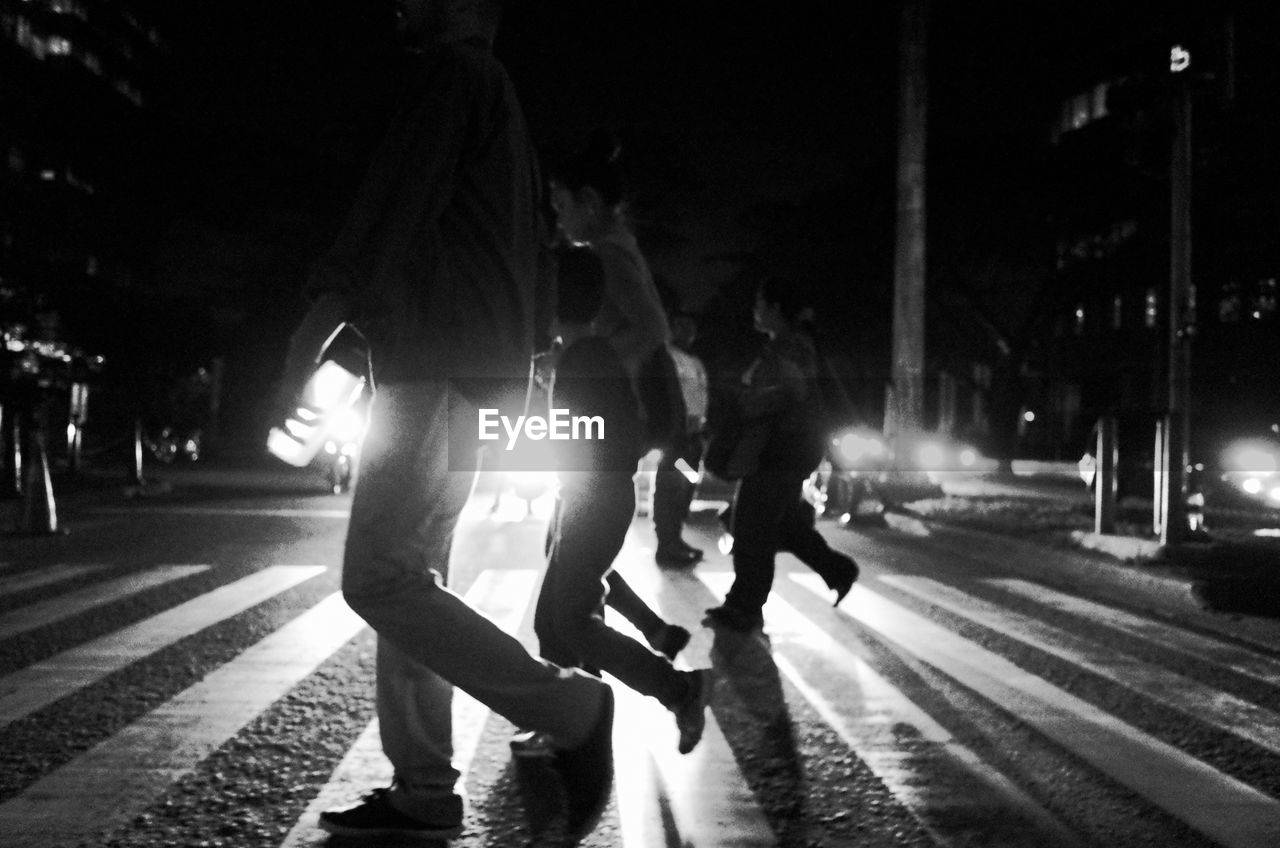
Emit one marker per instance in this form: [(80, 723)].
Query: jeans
[(406, 505), (769, 515), (594, 514), (672, 492)]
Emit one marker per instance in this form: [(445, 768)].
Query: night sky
[(759, 136)]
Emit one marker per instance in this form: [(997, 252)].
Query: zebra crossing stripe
[(40, 684), (1219, 806), (44, 577), (115, 780), (1003, 815), (73, 603), (1191, 697), (1215, 651), (503, 596), (696, 800)]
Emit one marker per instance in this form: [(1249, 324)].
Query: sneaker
[(733, 619), (586, 772), (844, 583), (375, 817), (691, 713), (532, 744), (669, 640)]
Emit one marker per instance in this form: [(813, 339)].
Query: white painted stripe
[(115, 780), (44, 577), (1223, 808), (73, 603), (1238, 659), (880, 705), (501, 595), (224, 511), (1000, 812), (1191, 697), (701, 795), (42, 683)]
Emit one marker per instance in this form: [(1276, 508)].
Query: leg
[(631, 606), (672, 494), (594, 521), (403, 515), (758, 509), (800, 536)]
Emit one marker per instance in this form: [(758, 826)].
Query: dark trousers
[(769, 515), (592, 519), (672, 491)]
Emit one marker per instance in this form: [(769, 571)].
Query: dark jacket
[(782, 386), (438, 258), (592, 381)]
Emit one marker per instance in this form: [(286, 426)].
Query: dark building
[(1111, 203), (75, 78)]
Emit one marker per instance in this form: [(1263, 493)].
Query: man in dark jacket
[(436, 264)]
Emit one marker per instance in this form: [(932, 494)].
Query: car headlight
[(858, 450), (932, 456)]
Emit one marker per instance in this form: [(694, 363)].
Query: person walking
[(595, 509), (436, 264), (588, 196), (779, 391), (673, 490)]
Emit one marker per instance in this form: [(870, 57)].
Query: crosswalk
[(888, 679)]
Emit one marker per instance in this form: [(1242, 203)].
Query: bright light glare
[(852, 447), (1028, 416), (931, 455), (1254, 459), (1274, 494), (332, 386), (1251, 485), (855, 447), (347, 425), (968, 457), (301, 432)]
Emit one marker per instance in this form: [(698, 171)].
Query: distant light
[(59, 46), (1028, 416), (1179, 59), (48, 174), (968, 457), (931, 455)]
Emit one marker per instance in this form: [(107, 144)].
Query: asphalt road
[(177, 669)]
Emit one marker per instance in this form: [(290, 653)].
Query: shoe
[(677, 557), (691, 714), (586, 772), (375, 817), (734, 619), (844, 583), (532, 745), (669, 640)]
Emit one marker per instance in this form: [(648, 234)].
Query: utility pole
[(1177, 424), (906, 410)]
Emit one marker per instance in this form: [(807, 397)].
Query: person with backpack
[(779, 403), (595, 509)]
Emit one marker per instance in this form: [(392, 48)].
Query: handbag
[(736, 444)]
